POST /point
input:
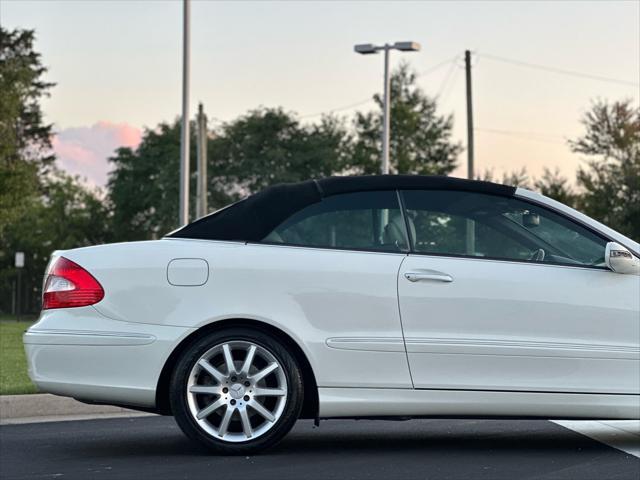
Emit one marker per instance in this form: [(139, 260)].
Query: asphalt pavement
[(154, 447)]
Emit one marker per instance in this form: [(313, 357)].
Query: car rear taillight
[(67, 285)]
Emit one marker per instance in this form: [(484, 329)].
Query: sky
[(117, 66)]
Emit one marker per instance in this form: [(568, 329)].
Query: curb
[(44, 407)]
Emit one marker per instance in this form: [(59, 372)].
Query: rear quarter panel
[(310, 294)]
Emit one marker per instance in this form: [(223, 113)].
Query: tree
[(66, 215), (515, 178), (41, 208), (264, 147), (554, 185), (269, 146), (144, 184), (23, 134), (420, 139), (611, 178), (25, 146)]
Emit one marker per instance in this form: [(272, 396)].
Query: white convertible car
[(376, 297)]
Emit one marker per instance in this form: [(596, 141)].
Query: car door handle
[(429, 275)]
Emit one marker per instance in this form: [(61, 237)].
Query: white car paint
[(503, 338), (520, 326)]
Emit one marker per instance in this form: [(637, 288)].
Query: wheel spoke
[(213, 371), (205, 412), (208, 389), (269, 392), (246, 366), (224, 424), (246, 424), (261, 410), (264, 372), (228, 359)]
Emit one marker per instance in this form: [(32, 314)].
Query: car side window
[(360, 221), (483, 225)]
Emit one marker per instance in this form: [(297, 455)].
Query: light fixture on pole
[(367, 49)]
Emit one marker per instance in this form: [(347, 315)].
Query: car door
[(330, 271), (502, 294)]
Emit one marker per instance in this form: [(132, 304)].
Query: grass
[(13, 362)]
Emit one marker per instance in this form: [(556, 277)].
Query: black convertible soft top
[(251, 219)]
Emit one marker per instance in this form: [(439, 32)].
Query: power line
[(532, 136), (370, 98), (445, 95), (437, 66), (338, 109), (523, 132), (560, 71), (452, 74), (447, 77)]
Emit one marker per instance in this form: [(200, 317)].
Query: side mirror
[(621, 260)]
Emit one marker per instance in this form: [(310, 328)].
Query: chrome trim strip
[(510, 347), (367, 344), (85, 337)]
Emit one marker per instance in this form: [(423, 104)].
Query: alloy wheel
[(237, 391)]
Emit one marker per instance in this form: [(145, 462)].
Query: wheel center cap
[(237, 391)]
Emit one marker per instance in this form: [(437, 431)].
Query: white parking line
[(621, 434)]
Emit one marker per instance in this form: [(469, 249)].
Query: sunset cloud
[(84, 150)]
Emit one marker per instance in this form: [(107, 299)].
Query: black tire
[(179, 382)]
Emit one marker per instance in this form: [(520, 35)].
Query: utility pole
[(467, 67), (471, 228), (184, 142), (201, 205)]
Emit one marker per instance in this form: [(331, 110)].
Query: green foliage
[(611, 178), (515, 178), (28, 193), (420, 138), (144, 184), (553, 185), (264, 147), (23, 135), (67, 215), (19, 187), (269, 146), (25, 147)]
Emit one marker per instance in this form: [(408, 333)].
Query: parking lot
[(154, 447)]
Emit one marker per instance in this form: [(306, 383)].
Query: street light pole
[(19, 263), (386, 113), (184, 142), (366, 49)]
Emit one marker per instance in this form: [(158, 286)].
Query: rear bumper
[(82, 354)]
